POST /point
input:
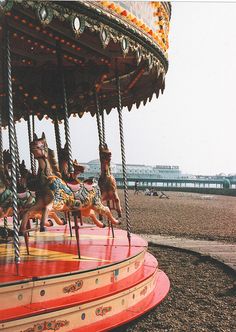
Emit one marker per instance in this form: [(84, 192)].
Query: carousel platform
[(52, 289)]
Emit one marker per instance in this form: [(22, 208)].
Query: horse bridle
[(43, 147)]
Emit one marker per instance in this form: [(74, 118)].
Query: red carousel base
[(52, 289)]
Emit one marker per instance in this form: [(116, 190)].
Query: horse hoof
[(42, 229), (117, 222), (64, 221), (119, 215), (102, 225), (50, 223)]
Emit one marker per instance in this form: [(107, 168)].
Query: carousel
[(65, 263)]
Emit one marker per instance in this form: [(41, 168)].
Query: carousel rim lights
[(126, 43), (157, 44)]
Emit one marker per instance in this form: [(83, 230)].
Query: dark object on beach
[(163, 195)]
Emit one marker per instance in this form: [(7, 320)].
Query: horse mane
[(53, 163)]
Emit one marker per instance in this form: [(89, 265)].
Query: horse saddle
[(75, 186), (23, 195)]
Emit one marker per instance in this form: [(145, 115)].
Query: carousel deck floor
[(54, 253), (52, 289)]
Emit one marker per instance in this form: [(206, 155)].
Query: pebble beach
[(202, 296), (190, 215)]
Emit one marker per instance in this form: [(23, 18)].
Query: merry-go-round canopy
[(96, 41)]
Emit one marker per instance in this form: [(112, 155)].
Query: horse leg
[(105, 211), (44, 218), (38, 215), (117, 204), (58, 220), (39, 205), (9, 211), (91, 214)]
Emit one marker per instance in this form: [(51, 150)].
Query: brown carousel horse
[(29, 182), (5, 195), (25, 197), (107, 182), (54, 195), (64, 167)]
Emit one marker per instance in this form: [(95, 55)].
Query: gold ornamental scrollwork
[(73, 287)]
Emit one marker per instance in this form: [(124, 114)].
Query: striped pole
[(103, 128), (122, 144), (1, 138), (66, 115), (30, 136), (101, 142), (17, 154), (58, 136), (12, 143), (2, 104)]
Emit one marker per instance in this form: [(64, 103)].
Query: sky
[(193, 123)]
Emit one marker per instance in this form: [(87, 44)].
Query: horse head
[(105, 154), (39, 147), (78, 169), (23, 170)]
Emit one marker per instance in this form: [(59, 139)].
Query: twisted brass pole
[(58, 136), (12, 143), (30, 136), (103, 128), (101, 142), (66, 115), (122, 144), (1, 138), (17, 154)]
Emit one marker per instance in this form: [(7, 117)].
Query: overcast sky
[(193, 123)]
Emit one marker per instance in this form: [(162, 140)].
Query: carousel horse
[(7, 164), (54, 195), (24, 201), (25, 197), (72, 179), (5, 208), (30, 183), (5, 195), (107, 182), (64, 167)]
